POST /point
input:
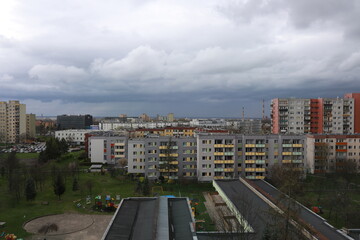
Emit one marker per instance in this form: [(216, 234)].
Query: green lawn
[(16, 213), (320, 191)]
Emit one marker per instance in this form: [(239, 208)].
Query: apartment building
[(327, 153), (107, 149), (12, 121), (317, 116), (170, 157), (250, 156), (206, 157), (167, 131), (30, 125)]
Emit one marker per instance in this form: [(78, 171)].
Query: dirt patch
[(70, 226)]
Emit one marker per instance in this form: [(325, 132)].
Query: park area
[(96, 196), (18, 213)]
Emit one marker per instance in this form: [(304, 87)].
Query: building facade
[(328, 153), (30, 125), (12, 121), (74, 121), (205, 157), (317, 116)]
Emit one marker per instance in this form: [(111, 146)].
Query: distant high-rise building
[(30, 125), (145, 117), (74, 121), (320, 115), (170, 117), (12, 121)]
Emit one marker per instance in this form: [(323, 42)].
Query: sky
[(203, 58)]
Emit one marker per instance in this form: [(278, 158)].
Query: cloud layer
[(202, 58)]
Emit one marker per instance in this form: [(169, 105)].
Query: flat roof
[(151, 218)]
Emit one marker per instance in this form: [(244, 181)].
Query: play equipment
[(10, 237), (317, 209), (98, 202), (109, 201)]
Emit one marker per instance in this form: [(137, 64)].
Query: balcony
[(218, 154), (229, 145), (297, 145), (286, 161), (286, 153), (228, 169), (250, 154), (249, 169), (260, 161), (219, 145), (297, 153), (168, 155), (249, 145), (260, 169), (218, 177), (229, 161), (229, 153), (287, 145), (249, 161), (260, 145), (219, 161), (260, 154), (218, 169)]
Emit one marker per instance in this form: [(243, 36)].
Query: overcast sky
[(193, 58)]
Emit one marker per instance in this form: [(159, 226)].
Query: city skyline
[(203, 58)]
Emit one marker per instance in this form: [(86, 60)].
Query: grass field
[(16, 213)]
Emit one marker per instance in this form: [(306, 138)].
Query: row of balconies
[(292, 153), (224, 145)]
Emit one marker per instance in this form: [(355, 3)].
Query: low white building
[(76, 136)]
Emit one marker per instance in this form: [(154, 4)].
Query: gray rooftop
[(151, 218), (317, 222)]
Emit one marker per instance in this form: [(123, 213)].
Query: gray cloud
[(203, 58)]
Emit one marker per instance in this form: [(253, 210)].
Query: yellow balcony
[(119, 150), (260, 154), (249, 169), (219, 145), (163, 147), (173, 170), (239, 169), (286, 153), (218, 154), (219, 177), (250, 161), (174, 162), (239, 153), (297, 145), (219, 161), (168, 155), (260, 169), (286, 161), (250, 154), (260, 177), (249, 145), (228, 170), (229, 161), (229, 145)]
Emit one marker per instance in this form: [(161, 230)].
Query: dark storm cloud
[(203, 58)]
